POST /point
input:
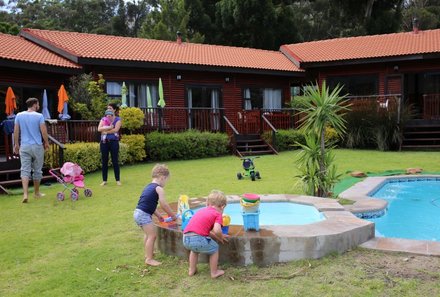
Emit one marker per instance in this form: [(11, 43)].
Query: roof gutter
[(189, 67), (308, 65)]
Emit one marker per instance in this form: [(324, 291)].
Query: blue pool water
[(277, 213), (413, 209)]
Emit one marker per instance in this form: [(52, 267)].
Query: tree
[(321, 108), (246, 22), (427, 13), (164, 22), (88, 96)]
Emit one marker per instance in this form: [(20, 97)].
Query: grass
[(92, 247)]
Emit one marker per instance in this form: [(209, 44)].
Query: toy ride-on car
[(249, 169)]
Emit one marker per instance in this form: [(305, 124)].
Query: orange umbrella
[(10, 102), (62, 97)]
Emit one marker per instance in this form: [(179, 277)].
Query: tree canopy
[(264, 24)]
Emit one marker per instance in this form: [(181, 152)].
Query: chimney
[(179, 37), (415, 24)]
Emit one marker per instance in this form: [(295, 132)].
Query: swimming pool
[(413, 209)]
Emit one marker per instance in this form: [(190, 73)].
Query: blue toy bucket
[(186, 216)]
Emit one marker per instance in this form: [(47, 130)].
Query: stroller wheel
[(257, 175), (239, 176), (88, 193), (60, 196), (74, 195), (253, 176)]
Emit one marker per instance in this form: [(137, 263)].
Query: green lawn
[(92, 247)]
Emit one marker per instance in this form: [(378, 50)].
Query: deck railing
[(175, 119), (384, 103), (431, 106)]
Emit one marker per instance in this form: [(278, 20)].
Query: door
[(204, 108)]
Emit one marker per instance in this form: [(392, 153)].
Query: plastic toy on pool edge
[(249, 169)]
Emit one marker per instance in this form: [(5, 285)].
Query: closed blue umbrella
[(46, 113), (65, 115)]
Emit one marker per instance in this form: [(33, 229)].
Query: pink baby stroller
[(70, 174)]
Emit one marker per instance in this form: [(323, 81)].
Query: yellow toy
[(226, 220), (182, 204)]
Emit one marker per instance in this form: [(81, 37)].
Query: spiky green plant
[(321, 108)]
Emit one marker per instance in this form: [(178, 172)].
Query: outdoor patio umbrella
[(161, 102), (149, 105), (62, 103), (10, 102), (46, 113), (124, 95), (149, 102)]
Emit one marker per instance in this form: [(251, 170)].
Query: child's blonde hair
[(216, 198), (160, 170)]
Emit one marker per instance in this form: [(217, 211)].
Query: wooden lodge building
[(242, 91)]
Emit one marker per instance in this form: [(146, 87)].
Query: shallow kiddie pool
[(277, 213), (335, 230)]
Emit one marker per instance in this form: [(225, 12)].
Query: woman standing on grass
[(110, 142)]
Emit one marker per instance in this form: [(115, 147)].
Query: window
[(262, 98), (357, 85), (141, 95), (431, 83)]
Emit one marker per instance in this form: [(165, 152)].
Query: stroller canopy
[(71, 169)]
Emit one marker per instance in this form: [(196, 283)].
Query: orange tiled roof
[(92, 46), (19, 49), (365, 47)]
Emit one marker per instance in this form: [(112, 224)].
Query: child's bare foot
[(191, 273), (152, 262), (25, 200), (217, 273)]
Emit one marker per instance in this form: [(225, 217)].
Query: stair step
[(248, 140), (18, 181), (253, 153), (420, 132), (421, 139), (421, 146), (252, 146), (11, 171)]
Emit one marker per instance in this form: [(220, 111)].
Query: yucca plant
[(321, 108)]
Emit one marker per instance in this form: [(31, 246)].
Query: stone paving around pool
[(339, 232), (365, 204)]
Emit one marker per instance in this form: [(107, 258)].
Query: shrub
[(87, 155), (135, 147), (132, 118), (331, 135), (373, 128), (186, 145), (285, 139), (87, 96)]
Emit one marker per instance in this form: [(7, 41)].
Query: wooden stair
[(252, 145), (421, 135), (11, 178)]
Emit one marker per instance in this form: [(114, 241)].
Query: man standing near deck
[(30, 126)]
